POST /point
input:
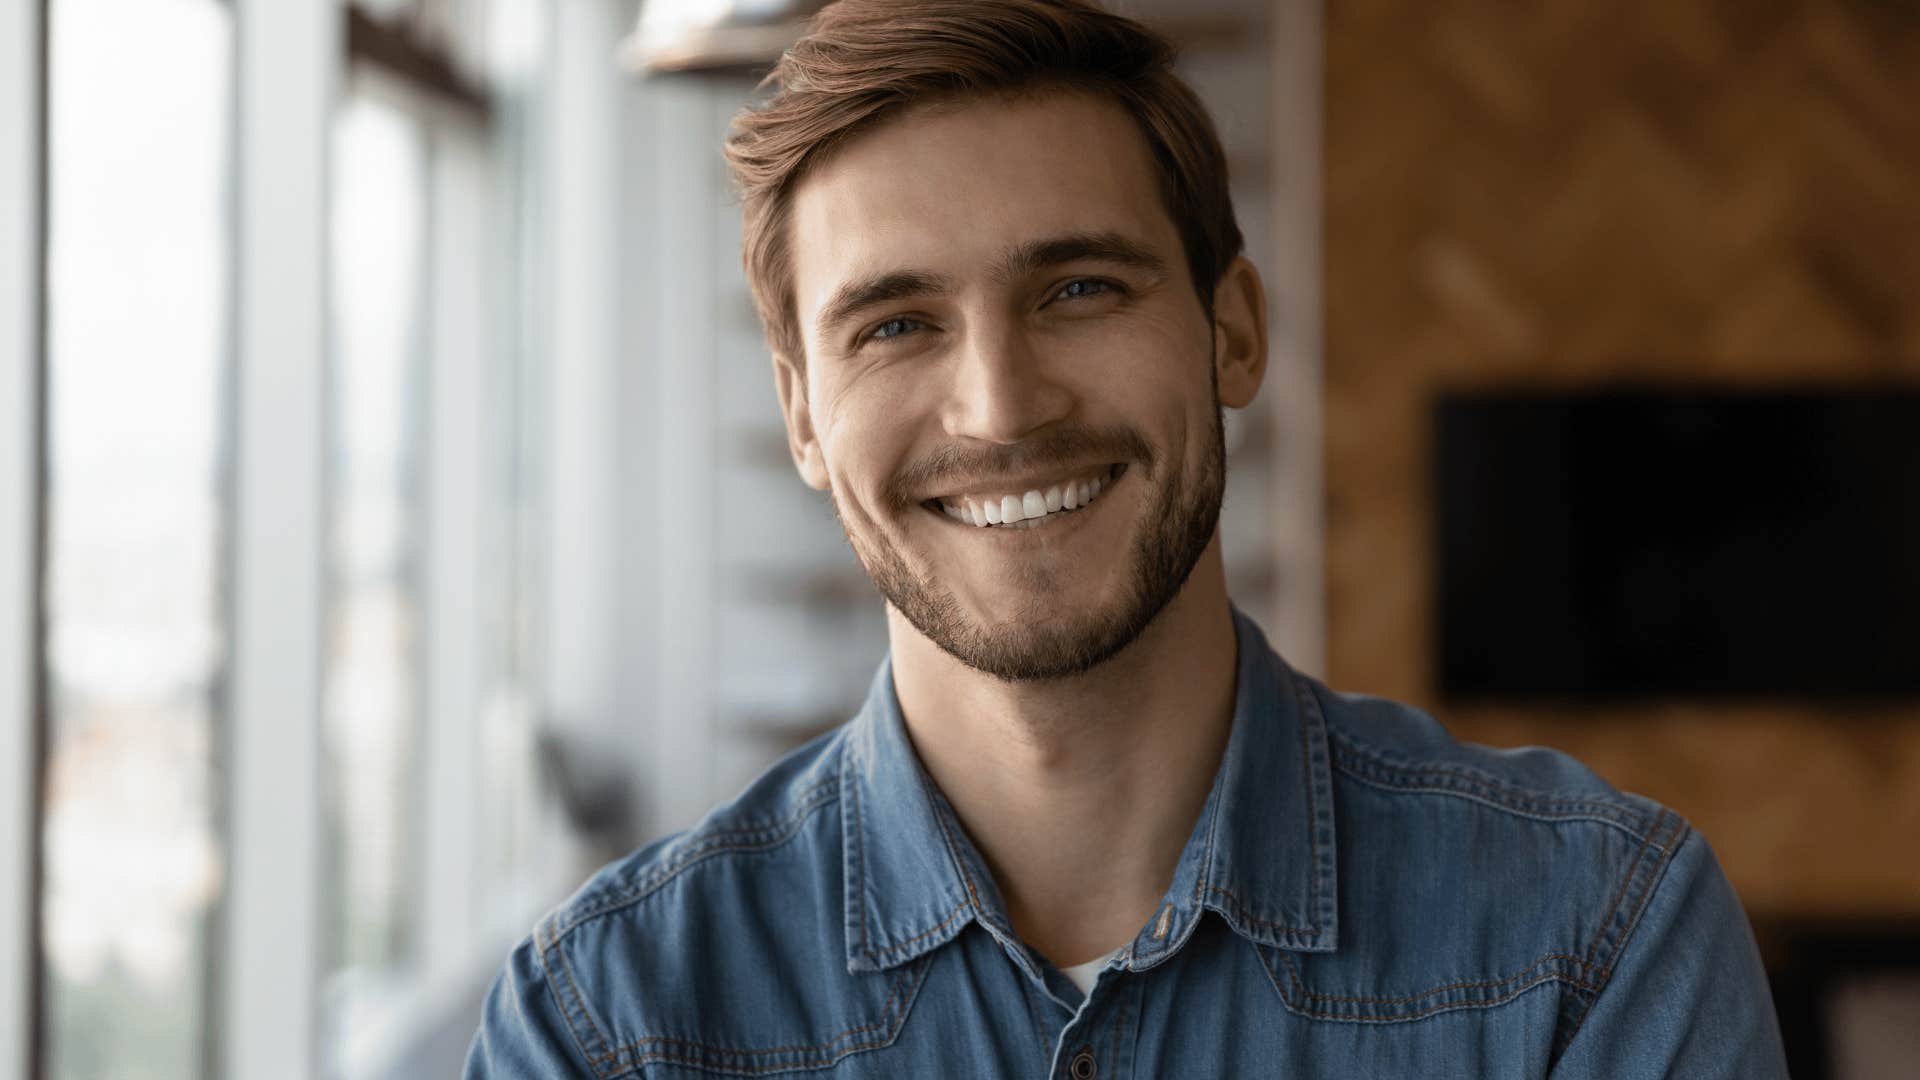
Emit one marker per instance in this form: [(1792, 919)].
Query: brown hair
[(863, 60)]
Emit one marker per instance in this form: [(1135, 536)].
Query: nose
[(1002, 390)]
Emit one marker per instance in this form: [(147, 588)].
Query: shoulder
[(770, 830), (640, 958), (1398, 749), (765, 845), (1470, 876), (721, 948)]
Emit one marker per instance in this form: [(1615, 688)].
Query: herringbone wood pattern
[(1576, 191)]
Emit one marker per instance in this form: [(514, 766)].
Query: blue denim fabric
[(1362, 896)]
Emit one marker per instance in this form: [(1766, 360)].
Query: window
[(371, 683), (428, 693), (137, 281), (288, 658)]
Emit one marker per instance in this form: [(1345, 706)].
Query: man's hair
[(862, 61)]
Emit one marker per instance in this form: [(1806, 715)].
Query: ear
[(1239, 333), (791, 381)]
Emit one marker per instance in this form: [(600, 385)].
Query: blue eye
[(1074, 290), (893, 328)]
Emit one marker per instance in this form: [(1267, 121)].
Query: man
[(1088, 823)]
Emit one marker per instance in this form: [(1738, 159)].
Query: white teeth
[(1027, 510)]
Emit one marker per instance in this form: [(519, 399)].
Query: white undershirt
[(1084, 975)]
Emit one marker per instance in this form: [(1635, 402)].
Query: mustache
[(1063, 446)]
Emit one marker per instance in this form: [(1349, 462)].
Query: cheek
[(867, 436), (1156, 376), (1152, 344)]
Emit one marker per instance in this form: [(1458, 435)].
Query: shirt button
[(1083, 1067)]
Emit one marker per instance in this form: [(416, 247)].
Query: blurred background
[(396, 522)]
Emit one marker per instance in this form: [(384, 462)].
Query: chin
[(1014, 621), (1038, 653), (1037, 611)]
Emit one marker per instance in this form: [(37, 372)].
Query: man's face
[(1009, 387)]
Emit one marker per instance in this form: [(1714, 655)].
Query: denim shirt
[(1361, 896)]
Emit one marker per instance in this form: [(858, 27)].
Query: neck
[(1080, 793)]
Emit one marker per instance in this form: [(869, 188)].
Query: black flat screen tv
[(1636, 544)]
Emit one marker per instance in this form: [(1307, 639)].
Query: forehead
[(949, 188)]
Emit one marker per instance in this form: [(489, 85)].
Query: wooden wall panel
[(1574, 192)]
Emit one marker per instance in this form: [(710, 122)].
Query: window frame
[(22, 513), (270, 952)]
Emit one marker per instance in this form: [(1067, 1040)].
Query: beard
[(1037, 643)]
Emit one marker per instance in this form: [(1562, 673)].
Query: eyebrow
[(854, 297), (1107, 247)]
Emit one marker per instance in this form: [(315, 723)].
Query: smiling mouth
[(1028, 509)]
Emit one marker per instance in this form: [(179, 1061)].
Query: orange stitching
[(1543, 808), (579, 1003), (953, 852), (1600, 933), (1313, 815), (804, 804), (886, 1007), (860, 846), (965, 878), (1359, 759), (1424, 1013), (1606, 973), (1309, 707), (944, 923), (725, 1052), (1240, 912), (1523, 973), (752, 1070), (759, 837), (1300, 991), (1293, 973), (546, 967)]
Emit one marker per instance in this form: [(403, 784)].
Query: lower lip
[(1062, 520)]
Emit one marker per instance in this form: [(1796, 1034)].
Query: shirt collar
[(1261, 854), (913, 879)]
